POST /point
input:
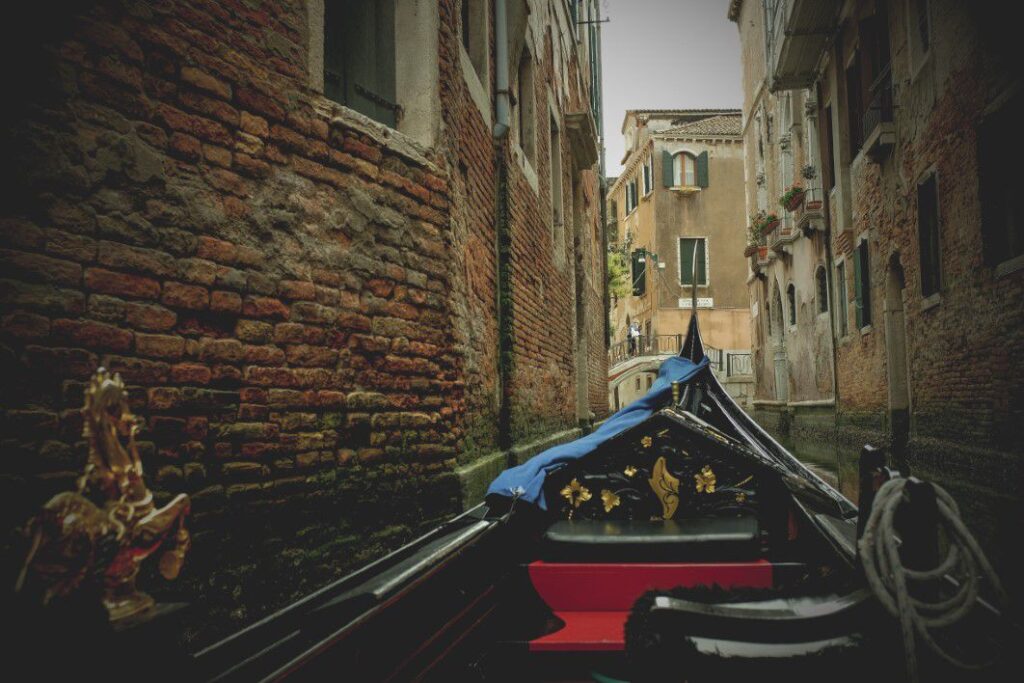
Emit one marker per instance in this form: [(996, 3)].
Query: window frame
[(791, 305), (821, 287), (648, 175), (679, 164), (526, 96)]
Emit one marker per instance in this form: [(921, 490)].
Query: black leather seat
[(683, 540)]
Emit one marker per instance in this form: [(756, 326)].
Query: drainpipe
[(503, 231), (501, 104)]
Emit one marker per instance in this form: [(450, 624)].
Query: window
[(474, 36), (791, 300), (685, 170), (821, 289), (842, 313), (525, 97), (359, 57), (650, 381), (827, 153), (638, 383), (928, 235), (688, 248), (631, 198), (854, 105), (1001, 175), (648, 173), (639, 272), (862, 284), (920, 30)]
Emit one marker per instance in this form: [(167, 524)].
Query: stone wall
[(302, 301)]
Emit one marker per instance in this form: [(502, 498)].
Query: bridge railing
[(727, 363)]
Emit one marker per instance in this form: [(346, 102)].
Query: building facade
[(678, 204), (889, 307), (346, 276)]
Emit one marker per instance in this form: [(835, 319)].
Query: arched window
[(791, 299), (684, 170), (822, 289)]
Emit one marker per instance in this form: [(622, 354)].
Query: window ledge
[(685, 189), (930, 302), (394, 140), (866, 330), (478, 91), (1010, 266)]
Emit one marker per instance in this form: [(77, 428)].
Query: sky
[(665, 54)]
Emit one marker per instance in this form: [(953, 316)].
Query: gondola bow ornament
[(109, 525)]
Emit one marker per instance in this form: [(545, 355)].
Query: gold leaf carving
[(705, 480), (665, 487), (609, 499)]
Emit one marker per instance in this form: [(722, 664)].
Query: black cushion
[(699, 539)]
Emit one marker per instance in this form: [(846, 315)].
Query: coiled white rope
[(879, 551)]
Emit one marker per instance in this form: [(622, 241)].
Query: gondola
[(682, 543)]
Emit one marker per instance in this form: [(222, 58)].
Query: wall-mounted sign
[(702, 302)]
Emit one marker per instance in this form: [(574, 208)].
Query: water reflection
[(836, 464)]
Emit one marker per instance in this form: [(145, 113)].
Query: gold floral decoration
[(741, 497), (629, 471), (646, 442), (576, 493), (705, 480), (609, 499)]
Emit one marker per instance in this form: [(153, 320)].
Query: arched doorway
[(897, 365), (778, 344)]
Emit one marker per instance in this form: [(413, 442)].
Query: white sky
[(666, 54)]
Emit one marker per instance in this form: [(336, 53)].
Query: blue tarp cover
[(528, 479)]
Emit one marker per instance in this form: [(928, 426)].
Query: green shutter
[(667, 170), (702, 169), (686, 261), (639, 274), (702, 263), (857, 294)]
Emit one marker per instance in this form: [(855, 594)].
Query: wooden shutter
[(686, 261), (928, 235), (639, 274), (667, 169), (702, 169), (702, 261), (857, 294)]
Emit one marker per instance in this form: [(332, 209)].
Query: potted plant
[(765, 222), (754, 240), (793, 197)]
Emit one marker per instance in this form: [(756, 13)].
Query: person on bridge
[(633, 334)]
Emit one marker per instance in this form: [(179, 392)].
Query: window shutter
[(857, 293), (702, 169), (639, 275), (667, 170), (686, 261), (702, 262)]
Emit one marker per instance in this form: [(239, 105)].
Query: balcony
[(799, 31), (783, 236), (879, 129)]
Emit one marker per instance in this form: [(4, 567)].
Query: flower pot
[(770, 227), (750, 250), (814, 205), (795, 201), (762, 253)]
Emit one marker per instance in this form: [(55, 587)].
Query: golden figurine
[(665, 487), (646, 442), (629, 471), (109, 525), (577, 494)]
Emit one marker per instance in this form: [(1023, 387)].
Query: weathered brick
[(91, 334), (148, 261), (264, 307), (39, 268), (225, 302), (159, 346), (149, 317), (221, 350), (121, 284), (25, 326), (190, 297), (297, 290)]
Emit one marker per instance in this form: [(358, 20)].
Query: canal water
[(837, 465)]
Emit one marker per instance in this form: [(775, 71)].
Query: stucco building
[(348, 257), (893, 311), (679, 199)]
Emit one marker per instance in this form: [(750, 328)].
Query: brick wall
[(302, 303)]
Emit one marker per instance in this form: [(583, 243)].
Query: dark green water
[(835, 464)]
